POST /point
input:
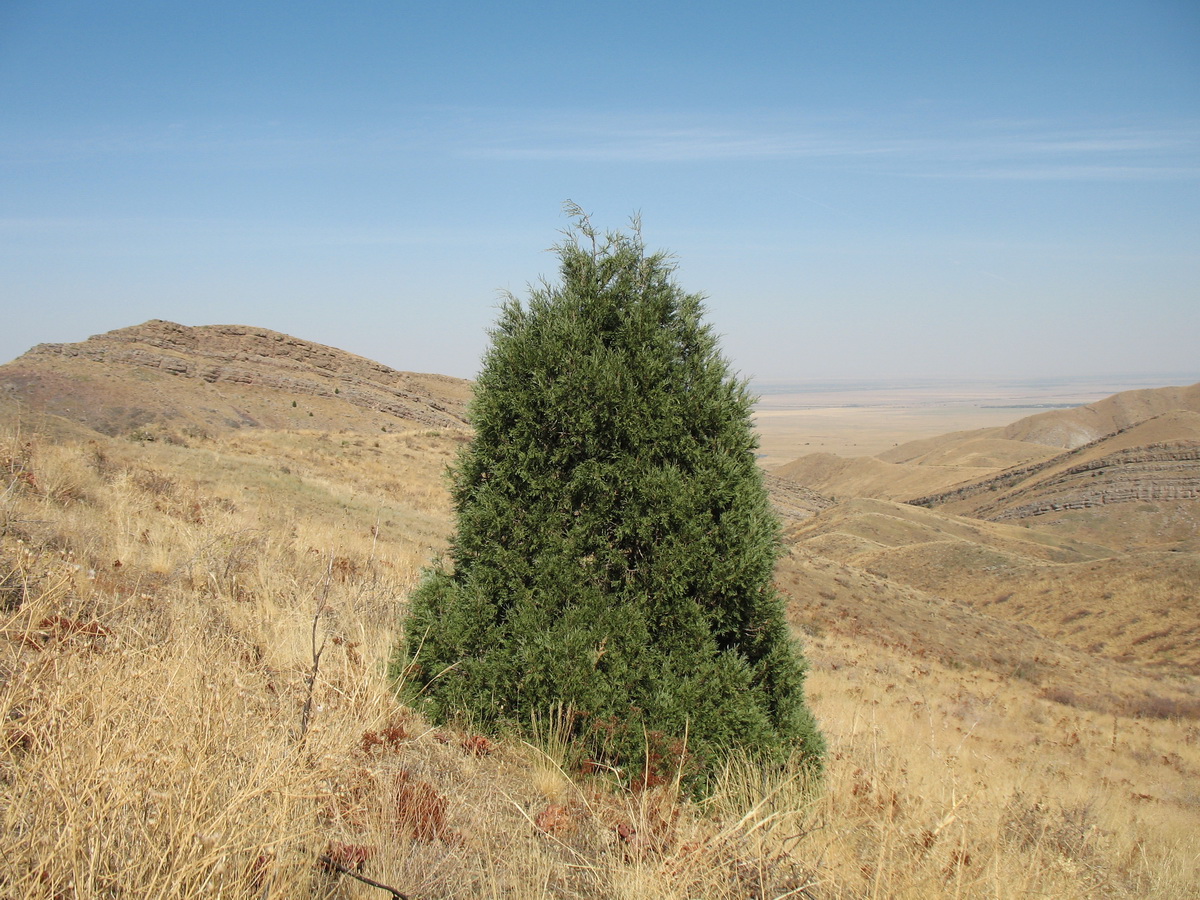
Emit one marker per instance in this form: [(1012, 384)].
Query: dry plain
[(195, 625), (854, 418)]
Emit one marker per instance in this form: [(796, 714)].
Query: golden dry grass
[(866, 476), (1137, 606), (193, 639)]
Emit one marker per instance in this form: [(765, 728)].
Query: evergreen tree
[(615, 544)]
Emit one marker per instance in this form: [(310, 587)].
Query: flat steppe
[(860, 418)]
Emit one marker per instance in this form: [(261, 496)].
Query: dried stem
[(310, 679)]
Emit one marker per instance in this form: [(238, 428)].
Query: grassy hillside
[(1074, 427), (1155, 462), (193, 636), (866, 476), (160, 376)]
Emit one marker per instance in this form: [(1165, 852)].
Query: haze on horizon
[(862, 190)]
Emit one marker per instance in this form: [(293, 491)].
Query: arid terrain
[(867, 418), (206, 540)]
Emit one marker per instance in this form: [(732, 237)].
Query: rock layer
[(1123, 467), (224, 376)]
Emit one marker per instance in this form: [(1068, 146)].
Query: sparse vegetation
[(150, 712), (614, 542)]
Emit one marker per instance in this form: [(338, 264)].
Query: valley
[(201, 579)]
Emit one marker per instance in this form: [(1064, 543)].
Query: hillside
[(867, 525), (195, 631), (1096, 547), (1072, 428), (1131, 489), (1155, 461), (1138, 606), (217, 377), (193, 638), (1046, 434), (868, 476), (983, 448)]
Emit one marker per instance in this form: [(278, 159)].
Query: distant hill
[(1044, 433), (869, 476), (936, 470), (793, 503), (1157, 460), (1075, 647), (161, 374), (858, 529), (982, 448), (1135, 606), (1094, 544), (1071, 428)]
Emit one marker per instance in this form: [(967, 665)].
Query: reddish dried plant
[(64, 627), (555, 820), (338, 856), (385, 739), (420, 810), (477, 745)]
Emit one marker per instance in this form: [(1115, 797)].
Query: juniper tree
[(614, 547)]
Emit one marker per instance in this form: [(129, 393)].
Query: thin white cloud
[(1068, 172), (1002, 150), (987, 150)]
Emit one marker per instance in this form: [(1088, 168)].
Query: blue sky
[(862, 189)]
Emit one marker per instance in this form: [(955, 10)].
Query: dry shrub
[(1069, 831), (1153, 706), (1062, 695), (420, 811), (388, 739)]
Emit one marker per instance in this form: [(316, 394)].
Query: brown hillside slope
[(984, 448), (866, 476), (959, 447), (829, 597), (1142, 606), (861, 527), (1072, 428), (223, 376), (793, 503), (1157, 460), (1043, 435)]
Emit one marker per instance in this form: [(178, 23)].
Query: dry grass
[(963, 783), (1137, 606), (169, 611)]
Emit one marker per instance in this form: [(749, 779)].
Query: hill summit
[(223, 376)]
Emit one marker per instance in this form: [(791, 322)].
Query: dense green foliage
[(615, 544)]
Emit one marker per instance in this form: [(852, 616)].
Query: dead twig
[(334, 866), (310, 677)]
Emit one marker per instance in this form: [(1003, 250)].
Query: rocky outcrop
[(1096, 474), (254, 359), (792, 502), (1156, 473)]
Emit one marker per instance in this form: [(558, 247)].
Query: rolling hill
[(1096, 547), (942, 466), (869, 476), (1157, 459), (163, 375), (195, 631), (1140, 606), (1071, 428)]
